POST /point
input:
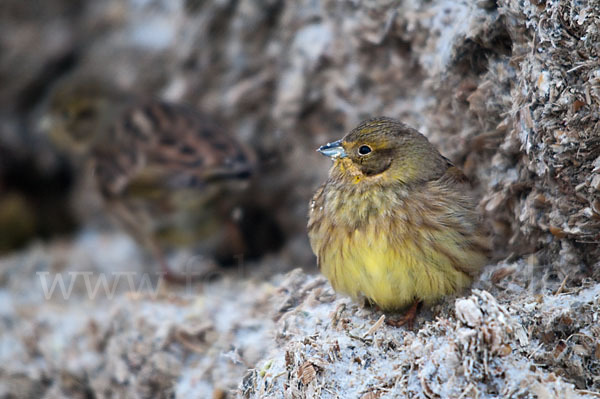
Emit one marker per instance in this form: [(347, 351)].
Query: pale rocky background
[(509, 90)]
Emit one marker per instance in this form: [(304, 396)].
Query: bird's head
[(76, 114), (384, 150)]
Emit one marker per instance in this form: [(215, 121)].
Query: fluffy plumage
[(395, 221)]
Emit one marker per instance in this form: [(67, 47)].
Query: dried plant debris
[(556, 126), (478, 350), (509, 90), (270, 335), (107, 330)]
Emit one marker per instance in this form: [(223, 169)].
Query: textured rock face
[(555, 128), (509, 90)]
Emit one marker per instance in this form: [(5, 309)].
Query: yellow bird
[(395, 222)]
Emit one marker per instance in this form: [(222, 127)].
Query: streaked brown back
[(170, 146)]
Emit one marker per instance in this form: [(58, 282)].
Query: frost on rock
[(267, 335), (334, 349)]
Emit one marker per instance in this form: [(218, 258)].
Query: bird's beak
[(333, 150)]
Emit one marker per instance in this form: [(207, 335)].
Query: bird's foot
[(172, 277), (407, 319)]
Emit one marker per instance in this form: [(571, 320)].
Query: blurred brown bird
[(167, 174)]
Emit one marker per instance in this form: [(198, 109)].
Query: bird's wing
[(453, 174), (167, 146), (455, 189)]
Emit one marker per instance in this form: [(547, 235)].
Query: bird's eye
[(364, 149)]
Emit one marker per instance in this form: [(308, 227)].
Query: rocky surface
[(78, 323), (508, 90)]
